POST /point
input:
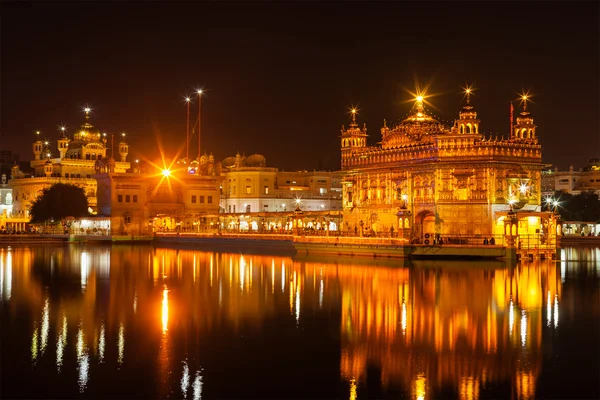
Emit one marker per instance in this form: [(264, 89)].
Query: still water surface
[(143, 322)]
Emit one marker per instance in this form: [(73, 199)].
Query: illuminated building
[(77, 161), (574, 182), (450, 179), (249, 186), (141, 203)]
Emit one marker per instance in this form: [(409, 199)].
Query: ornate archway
[(424, 223)]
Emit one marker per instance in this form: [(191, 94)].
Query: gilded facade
[(77, 160), (450, 180)]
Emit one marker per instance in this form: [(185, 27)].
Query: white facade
[(250, 186)]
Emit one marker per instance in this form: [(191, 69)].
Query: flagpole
[(187, 132), (512, 109), (199, 122)]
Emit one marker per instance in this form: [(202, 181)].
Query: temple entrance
[(424, 224)]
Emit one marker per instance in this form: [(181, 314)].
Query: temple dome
[(416, 127)]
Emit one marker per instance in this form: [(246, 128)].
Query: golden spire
[(353, 111), (468, 92), (87, 111), (524, 98), (419, 100)]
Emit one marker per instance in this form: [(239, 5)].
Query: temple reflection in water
[(424, 328)]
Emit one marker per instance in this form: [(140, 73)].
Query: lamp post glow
[(187, 131), (166, 173), (199, 92)]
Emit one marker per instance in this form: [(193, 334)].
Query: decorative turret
[(467, 122), (38, 146), (14, 171), (63, 143), (123, 148), (524, 129), (48, 168), (353, 138)]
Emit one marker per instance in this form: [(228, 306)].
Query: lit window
[(248, 190), (323, 191), (266, 190)]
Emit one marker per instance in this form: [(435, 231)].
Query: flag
[(512, 110)]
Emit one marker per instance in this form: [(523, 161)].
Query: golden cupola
[(418, 126), (467, 122), (88, 143), (524, 129)]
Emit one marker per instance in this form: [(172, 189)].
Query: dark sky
[(280, 76)]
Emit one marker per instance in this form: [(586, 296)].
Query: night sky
[(280, 77)]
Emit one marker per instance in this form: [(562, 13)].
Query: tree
[(59, 201)]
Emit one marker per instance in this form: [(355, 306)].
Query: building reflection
[(459, 328), (423, 328)]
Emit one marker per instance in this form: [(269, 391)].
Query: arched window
[(87, 156), (468, 128), (462, 128), (93, 156)]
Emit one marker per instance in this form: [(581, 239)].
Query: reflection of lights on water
[(61, 343), (135, 301), (80, 344), (242, 273), (403, 317), (469, 388), (1, 275), (84, 370), (85, 265), (59, 354), (353, 389), (523, 328), (34, 345), (292, 289), (556, 311), (321, 294), (272, 276), (548, 310), (230, 272), (45, 325), (83, 361), (197, 386), (165, 310), (185, 379), (194, 270), (121, 343), (101, 344), (420, 387), (8, 275), (220, 293), (282, 277), (211, 270), (511, 317), (563, 265), (297, 305)]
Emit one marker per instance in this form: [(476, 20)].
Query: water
[(137, 322)]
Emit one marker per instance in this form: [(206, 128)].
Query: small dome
[(255, 160), (228, 162), (48, 162)]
